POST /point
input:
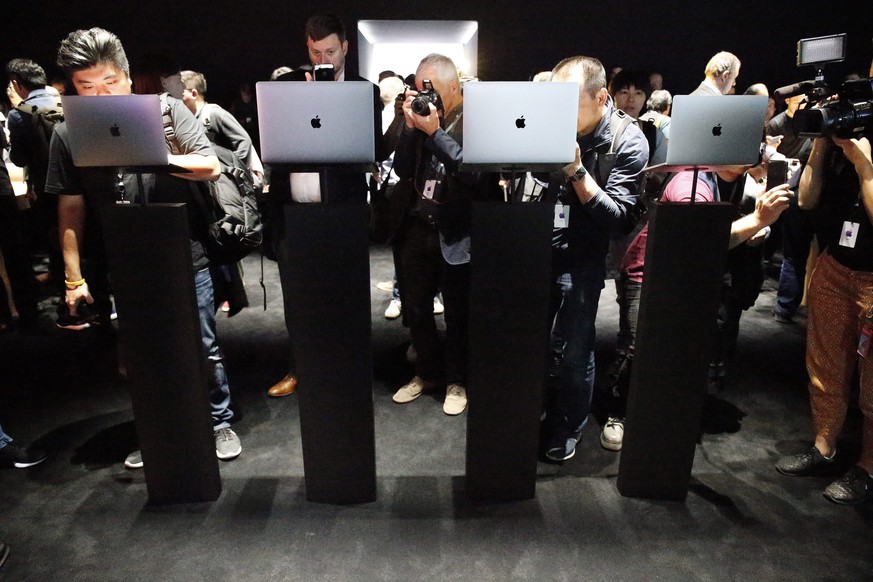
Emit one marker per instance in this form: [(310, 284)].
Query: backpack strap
[(169, 129), (618, 122)]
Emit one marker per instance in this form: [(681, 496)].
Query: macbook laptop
[(121, 131), (317, 123), (522, 125), (710, 131)]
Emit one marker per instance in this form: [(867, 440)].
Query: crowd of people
[(596, 197)]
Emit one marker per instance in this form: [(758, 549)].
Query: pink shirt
[(678, 190)]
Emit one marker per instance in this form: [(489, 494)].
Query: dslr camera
[(427, 95)]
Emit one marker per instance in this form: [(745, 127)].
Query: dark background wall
[(233, 41)]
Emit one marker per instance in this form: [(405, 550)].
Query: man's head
[(656, 81), (326, 42), (628, 89), (722, 70), (660, 101), (195, 89), (591, 76), (792, 104), (443, 73), (25, 76), (95, 62)]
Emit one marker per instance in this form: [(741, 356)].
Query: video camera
[(845, 112)]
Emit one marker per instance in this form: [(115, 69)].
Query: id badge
[(430, 187), (849, 234), (562, 216), (864, 340)]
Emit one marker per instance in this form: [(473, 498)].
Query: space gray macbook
[(316, 123), (707, 132), (121, 131), (520, 125)]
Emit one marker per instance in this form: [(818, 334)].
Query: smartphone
[(777, 173), (323, 73)]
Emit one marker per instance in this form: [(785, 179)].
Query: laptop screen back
[(115, 130), (316, 122), (707, 131), (520, 125)]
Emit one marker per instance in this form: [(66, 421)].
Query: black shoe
[(4, 553), (853, 488), (84, 318), (14, 456), (811, 462)]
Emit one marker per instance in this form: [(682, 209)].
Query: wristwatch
[(578, 174)]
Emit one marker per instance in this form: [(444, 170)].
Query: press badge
[(849, 234), (430, 187), (562, 216), (864, 341)]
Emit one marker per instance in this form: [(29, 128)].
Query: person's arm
[(71, 229), (203, 168), (809, 190), (19, 138), (234, 134), (768, 207), (857, 151), (197, 153), (610, 206)]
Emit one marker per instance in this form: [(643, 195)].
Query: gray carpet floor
[(81, 516)]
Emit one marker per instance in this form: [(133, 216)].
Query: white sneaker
[(385, 286), (613, 434), (393, 311), (227, 444), (456, 400), (409, 392), (438, 308)]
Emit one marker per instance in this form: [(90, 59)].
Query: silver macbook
[(123, 131), (520, 125), (710, 131), (316, 123)]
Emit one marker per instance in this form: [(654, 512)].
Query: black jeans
[(18, 265), (421, 273)]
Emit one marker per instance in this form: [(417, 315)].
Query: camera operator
[(432, 247), (838, 183)]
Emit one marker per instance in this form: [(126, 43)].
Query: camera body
[(427, 95), (845, 113)]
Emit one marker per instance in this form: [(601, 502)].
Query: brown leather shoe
[(283, 387)]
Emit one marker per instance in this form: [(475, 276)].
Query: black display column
[(324, 265), (149, 253), (510, 266), (685, 261)]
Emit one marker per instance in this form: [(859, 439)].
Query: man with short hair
[(326, 43), (432, 248), (721, 72), (590, 207), (658, 110), (95, 62)]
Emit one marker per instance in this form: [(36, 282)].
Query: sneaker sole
[(20, 465), (74, 327), (228, 456), (558, 458), (133, 466), (849, 502), (609, 445)]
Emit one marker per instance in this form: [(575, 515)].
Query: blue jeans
[(4, 438), (797, 233), (574, 299), (219, 390)]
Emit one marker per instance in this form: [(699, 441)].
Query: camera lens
[(420, 106)]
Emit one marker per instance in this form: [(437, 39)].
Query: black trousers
[(16, 255), (421, 273)]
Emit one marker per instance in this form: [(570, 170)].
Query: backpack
[(618, 123), (43, 122), (252, 162), (229, 203)]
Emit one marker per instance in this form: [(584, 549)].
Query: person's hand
[(76, 295), (13, 95), (774, 141), (856, 150), (772, 203), (571, 168), (759, 237), (408, 115), (427, 123)]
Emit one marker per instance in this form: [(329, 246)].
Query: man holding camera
[(327, 46), (432, 248)]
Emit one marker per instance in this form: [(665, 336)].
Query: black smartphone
[(323, 73), (777, 173)]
